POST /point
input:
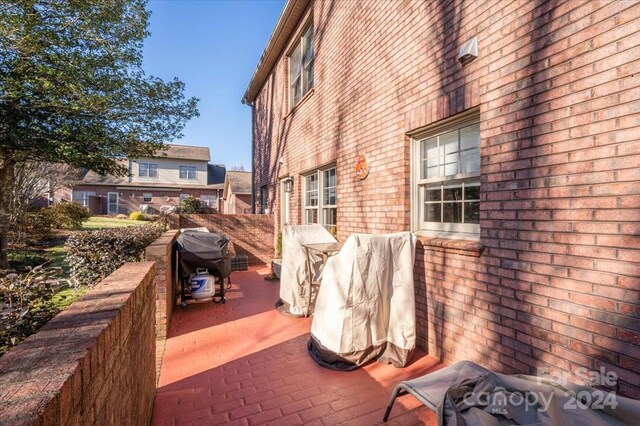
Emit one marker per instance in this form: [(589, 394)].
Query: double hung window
[(447, 173)]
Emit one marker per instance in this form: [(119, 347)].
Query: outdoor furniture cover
[(365, 307), (294, 283), (466, 393)]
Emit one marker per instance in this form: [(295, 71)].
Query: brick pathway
[(244, 363)]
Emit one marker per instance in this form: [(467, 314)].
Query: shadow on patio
[(244, 363)]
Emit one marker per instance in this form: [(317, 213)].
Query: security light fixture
[(468, 51)]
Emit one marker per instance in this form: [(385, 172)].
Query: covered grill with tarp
[(365, 308), (196, 249), (300, 268)]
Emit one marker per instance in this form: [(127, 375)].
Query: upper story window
[(301, 67), (320, 199), (187, 172), (147, 170), (446, 166)]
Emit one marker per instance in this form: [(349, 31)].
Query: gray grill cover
[(203, 250)]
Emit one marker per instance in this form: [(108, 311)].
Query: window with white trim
[(187, 172), (320, 198), (301, 67), (446, 169), (147, 197), (210, 201), (147, 170), (82, 197)]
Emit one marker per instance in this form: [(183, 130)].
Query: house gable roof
[(287, 22), (185, 152), (238, 183)]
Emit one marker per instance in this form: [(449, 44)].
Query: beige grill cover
[(294, 286), (365, 307)]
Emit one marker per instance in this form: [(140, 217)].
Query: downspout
[(253, 161)]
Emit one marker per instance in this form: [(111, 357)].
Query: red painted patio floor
[(244, 363)]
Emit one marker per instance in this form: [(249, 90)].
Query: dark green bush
[(67, 215), (23, 259), (190, 205), (96, 254)]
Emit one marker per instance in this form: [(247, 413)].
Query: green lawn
[(103, 222)]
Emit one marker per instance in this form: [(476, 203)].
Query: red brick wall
[(93, 363), (130, 200), (251, 234), (556, 83), (161, 252)]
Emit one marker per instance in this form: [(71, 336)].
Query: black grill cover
[(197, 249)]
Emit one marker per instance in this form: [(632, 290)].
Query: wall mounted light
[(288, 185)]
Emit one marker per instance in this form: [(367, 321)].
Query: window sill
[(302, 101), (467, 244)]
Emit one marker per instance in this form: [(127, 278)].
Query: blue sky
[(213, 46)]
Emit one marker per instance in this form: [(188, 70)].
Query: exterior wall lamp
[(288, 185)]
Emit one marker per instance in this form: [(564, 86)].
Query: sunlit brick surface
[(244, 363)]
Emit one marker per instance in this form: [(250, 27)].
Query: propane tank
[(202, 284)]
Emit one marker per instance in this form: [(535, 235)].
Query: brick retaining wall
[(251, 234), (93, 363), (161, 252)]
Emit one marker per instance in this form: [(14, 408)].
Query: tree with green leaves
[(72, 89)]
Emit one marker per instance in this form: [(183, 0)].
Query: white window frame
[(187, 172), (148, 199), (148, 167), (418, 184), (209, 200), (323, 204), (85, 197), (304, 42)]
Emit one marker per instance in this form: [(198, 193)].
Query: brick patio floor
[(244, 363)]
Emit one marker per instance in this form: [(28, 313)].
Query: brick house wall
[(251, 234), (553, 280), (92, 363), (130, 200)]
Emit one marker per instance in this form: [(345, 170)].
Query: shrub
[(279, 246), (96, 254), (67, 215), (22, 259), (30, 227), (190, 205), (27, 303), (136, 216)]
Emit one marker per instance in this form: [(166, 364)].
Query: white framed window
[(82, 197), (301, 67), (209, 200), (147, 197), (187, 172), (446, 175), (147, 170), (183, 196), (320, 201)]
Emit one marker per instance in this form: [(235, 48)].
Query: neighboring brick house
[(236, 198), (518, 171), (176, 173)]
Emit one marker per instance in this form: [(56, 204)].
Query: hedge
[(94, 255)]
